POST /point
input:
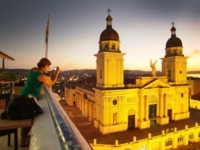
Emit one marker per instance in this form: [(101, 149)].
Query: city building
[(114, 106)]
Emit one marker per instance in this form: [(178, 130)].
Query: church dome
[(173, 41), (174, 45), (109, 33)]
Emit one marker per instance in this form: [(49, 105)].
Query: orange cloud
[(195, 53)]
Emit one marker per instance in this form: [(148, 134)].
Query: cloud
[(195, 53), (69, 66)]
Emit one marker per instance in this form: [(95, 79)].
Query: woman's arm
[(47, 80)]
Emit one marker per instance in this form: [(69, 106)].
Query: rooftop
[(90, 133)]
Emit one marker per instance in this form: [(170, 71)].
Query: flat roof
[(5, 56)]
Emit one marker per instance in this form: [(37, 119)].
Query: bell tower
[(109, 62), (174, 64)]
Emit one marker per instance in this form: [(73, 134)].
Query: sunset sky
[(75, 27)]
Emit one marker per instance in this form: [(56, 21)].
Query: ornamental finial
[(108, 10), (173, 23)]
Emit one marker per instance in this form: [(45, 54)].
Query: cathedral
[(113, 106)]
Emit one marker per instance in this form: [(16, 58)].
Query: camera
[(55, 68)]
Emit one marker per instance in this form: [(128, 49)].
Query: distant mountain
[(193, 72), (16, 70), (94, 70)]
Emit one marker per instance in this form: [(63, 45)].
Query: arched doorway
[(131, 119), (169, 112)]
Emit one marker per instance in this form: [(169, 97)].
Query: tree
[(7, 76)]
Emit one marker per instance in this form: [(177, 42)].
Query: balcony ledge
[(53, 129)]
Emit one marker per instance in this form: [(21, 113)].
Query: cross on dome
[(108, 10), (173, 23)]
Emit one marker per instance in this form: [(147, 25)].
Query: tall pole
[(47, 36), (3, 64)]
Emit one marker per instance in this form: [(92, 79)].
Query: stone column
[(165, 105), (174, 141), (81, 103), (108, 114), (146, 108), (161, 105), (120, 112), (106, 72), (102, 115), (106, 111), (157, 108), (149, 141), (97, 112), (77, 101), (86, 107), (141, 107), (163, 138), (89, 109), (186, 135), (77, 104), (196, 133), (94, 111)]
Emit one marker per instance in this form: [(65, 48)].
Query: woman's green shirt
[(33, 86)]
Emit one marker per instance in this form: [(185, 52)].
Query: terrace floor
[(3, 142), (90, 133)]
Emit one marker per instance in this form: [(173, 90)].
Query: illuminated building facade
[(114, 106)]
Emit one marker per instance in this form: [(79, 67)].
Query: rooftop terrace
[(52, 130)]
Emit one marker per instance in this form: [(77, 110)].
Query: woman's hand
[(49, 81), (57, 71), (50, 73)]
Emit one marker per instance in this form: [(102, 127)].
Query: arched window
[(113, 46), (191, 136), (182, 95), (168, 142), (100, 75), (180, 139), (106, 47), (115, 118)]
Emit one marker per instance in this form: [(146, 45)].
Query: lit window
[(100, 74), (191, 136), (182, 95), (115, 118), (113, 46), (168, 142), (106, 47), (180, 139)]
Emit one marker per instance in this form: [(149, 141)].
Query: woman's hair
[(43, 62)]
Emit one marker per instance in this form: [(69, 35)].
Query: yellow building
[(114, 106)]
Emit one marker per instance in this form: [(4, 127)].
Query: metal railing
[(69, 136)]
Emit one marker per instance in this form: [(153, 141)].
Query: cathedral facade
[(114, 106)]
